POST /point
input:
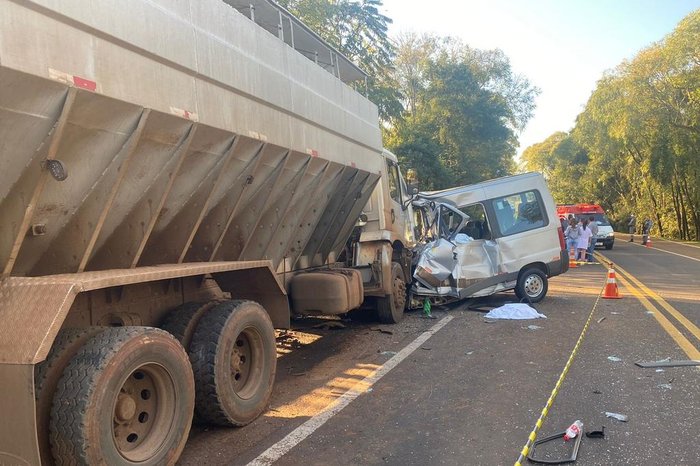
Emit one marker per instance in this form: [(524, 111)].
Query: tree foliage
[(449, 111), (465, 107), (640, 132)]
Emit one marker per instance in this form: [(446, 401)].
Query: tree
[(470, 101), (641, 133)]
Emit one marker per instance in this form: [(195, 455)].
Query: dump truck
[(176, 179)]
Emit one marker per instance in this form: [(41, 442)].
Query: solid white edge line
[(674, 253), (296, 436)]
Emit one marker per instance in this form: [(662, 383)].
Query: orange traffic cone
[(611, 291), (649, 242), (572, 259)]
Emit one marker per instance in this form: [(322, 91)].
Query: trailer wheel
[(182, 321), (47, 375), (234, 357), (532, 285), (390, 309), (126, 398)]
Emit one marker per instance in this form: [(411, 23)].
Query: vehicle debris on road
[(617, 416), (668, 362)]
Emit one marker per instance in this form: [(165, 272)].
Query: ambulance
[(606, 235)]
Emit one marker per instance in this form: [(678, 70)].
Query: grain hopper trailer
[(167, 171)]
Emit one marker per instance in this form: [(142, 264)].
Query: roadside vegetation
[(635, 148), (449, 111), (453, 113)]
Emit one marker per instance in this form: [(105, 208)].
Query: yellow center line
[(666, 324), (671, 310)]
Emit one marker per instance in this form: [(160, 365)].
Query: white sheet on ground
[(519, 311)]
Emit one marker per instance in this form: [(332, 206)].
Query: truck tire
[(532, 285), (182, 321), (126, 398), (47, 374), (234, 358), (390, 309)]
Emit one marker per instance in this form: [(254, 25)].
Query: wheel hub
[(126, 408), (239, 361), (533, 286)]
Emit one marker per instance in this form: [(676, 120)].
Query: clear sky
[(562, 46)]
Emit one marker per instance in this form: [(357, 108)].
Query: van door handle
[(393, 216)]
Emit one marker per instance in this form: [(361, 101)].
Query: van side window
[(477, 227), (518, 212), (394, 186)]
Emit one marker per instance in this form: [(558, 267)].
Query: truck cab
[(383, 241)]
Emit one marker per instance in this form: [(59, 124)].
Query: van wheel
[(126, 398), (532, 285), (234, 358), (390, 309)]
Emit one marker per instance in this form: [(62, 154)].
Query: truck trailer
[(176, 179)]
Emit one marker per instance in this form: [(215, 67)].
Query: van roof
[(446, 193)]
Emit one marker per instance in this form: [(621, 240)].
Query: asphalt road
[(471, 392)]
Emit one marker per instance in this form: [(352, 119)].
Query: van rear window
[(518, 212)]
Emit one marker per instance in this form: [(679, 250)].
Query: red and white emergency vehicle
[(606, 235)]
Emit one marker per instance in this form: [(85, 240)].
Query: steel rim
[(143, 412), (247, 363), (533, 286)]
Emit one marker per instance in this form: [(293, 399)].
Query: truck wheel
[(390, 309), (182, 321), (234, 357), (532, 284), (47, 374), (126, 398)]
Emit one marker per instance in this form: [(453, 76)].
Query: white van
[(480, 239)]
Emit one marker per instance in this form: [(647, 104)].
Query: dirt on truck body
[(159, 197)]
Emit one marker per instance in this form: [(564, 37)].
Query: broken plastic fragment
[(618, 416), (614, 359)]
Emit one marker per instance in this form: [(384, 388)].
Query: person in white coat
[(584, 240)]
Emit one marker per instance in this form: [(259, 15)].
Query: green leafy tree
[(470, 101), (640, 132)]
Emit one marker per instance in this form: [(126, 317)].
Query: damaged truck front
[(480, 239)]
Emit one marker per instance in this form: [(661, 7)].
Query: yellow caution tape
[(533, 435)]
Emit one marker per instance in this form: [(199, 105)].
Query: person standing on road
[(593, 225), (632, 226), (573, 231), (646, 229), (584, 239)]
